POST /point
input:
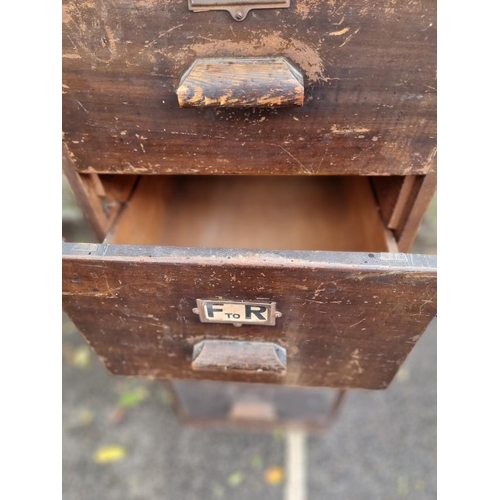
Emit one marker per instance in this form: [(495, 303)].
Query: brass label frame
[(237, 8), (237, 313)]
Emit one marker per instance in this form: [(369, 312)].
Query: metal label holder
[(237, 8)]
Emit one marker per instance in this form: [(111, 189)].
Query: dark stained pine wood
[(349, 319), (369, 76), (100, 197)]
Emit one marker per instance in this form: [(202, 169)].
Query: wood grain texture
[(393, 196), (88, 200), (238, 82), (403, 203), (424, 191), (117, 189), (145, 217), (230, 356), (275, 213), (100, 197), (369, 73), (349, 319)]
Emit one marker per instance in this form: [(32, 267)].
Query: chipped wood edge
[(369, 262)]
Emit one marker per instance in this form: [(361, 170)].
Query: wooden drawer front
[(369, 75), (348, 319)]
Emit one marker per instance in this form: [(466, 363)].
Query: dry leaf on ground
[(109, 454), (133, 397), (274, 475), (235, 479)]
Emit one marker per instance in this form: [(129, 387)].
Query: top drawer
[(369, 79)]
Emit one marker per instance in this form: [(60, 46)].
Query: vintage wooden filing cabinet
[(256, 172)]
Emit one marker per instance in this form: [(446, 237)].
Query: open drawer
[(283, 280)]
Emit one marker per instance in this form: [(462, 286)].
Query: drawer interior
[(335, 213)]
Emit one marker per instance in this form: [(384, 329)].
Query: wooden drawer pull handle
[(259, 82), (228, 355)]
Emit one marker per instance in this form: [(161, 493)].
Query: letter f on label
[(211, 309)]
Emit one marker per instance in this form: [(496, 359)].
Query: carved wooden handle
[(227, 355), (260, 82)]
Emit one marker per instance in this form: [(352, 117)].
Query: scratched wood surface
[(349, 319), (369, 74), (236, 82)]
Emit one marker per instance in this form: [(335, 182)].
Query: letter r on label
[(256, 310)]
